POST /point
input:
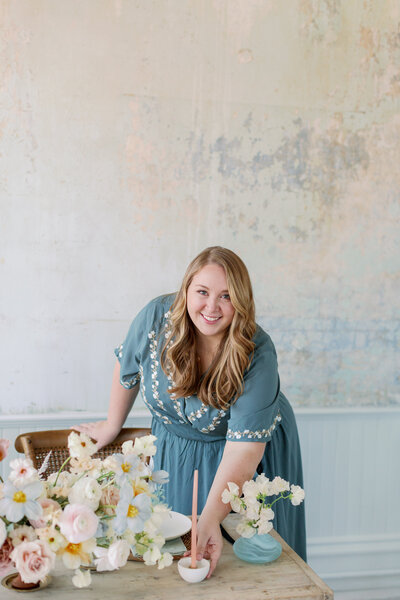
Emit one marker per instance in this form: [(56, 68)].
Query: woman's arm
[(121, 401), (239, 463)]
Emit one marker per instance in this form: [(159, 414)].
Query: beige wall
[(134, 134)]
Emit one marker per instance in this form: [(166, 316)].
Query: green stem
[(61, 468), (281, 497)]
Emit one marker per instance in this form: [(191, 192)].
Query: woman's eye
[(226, 296), (202, 292)]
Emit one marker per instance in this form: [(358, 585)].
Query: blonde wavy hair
[(222, 383)]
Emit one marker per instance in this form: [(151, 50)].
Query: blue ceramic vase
[(257, 549)]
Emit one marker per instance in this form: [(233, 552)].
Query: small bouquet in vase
[(255, 506)]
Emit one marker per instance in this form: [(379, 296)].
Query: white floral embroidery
[(175, 402), (258, 434), (197, 414), (216, 420), (154, 369), (131, 382), (164, 418)]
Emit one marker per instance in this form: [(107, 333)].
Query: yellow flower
[(75, 555)]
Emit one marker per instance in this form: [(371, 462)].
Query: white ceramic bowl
[(193, 575)]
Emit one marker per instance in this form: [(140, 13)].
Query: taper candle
[(194, 520)]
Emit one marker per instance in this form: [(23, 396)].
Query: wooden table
[(287, 578)]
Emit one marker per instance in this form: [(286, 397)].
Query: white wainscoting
[(351, 462)]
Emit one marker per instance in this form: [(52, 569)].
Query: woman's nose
[(212, 303)]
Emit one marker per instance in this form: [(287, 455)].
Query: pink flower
[(49, 508), (4, 444), (5, 557), (78, 523), (33, 560)]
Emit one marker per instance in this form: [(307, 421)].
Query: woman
[(209, 376)]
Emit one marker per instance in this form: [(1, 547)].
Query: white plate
[(174, 525)]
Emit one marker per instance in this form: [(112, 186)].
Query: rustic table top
[(289, 577)]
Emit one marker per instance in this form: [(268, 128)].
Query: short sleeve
[(255, 415), (129, 353)]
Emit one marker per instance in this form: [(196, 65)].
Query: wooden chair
[(37, 444)]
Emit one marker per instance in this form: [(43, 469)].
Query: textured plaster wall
[(135, 133)]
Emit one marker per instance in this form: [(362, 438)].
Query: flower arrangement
[(93, 514), (255, 505)]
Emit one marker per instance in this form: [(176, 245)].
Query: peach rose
[(78, 523), (49, 508), (33, 560), (5, 557), (4, 444)]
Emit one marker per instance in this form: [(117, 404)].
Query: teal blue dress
[(192, 436)]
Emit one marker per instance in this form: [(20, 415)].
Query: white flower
[(264, 485), (24, 533), (252, 509), (250, 490), (264, 527), (101, 561), (75, 555), (22, 472), (90, 466), (18, 503), (232, 496), (110, 464), (3, 532), (127, 448), (279, 485), (152, 555), (297, 495), (53, 537), (86, 491), (228, 495), (80, 445), (82, 579), (245, 530), (165, 560), (118, 553), (64, 483), (145, 445)]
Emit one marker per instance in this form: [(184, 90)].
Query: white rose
[(118, 553), (86, 491), (297, 495), (82, 579)]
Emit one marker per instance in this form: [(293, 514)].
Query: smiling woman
[(208, 373)]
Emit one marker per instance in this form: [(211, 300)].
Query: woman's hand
[(209, 542), (101, 431)]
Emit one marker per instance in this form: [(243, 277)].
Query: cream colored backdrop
[(134, 134)]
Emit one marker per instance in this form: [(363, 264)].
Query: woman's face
[(208, 302)]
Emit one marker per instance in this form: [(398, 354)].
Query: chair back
[(37, 444)]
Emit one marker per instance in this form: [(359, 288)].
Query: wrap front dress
[(191, 435)]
